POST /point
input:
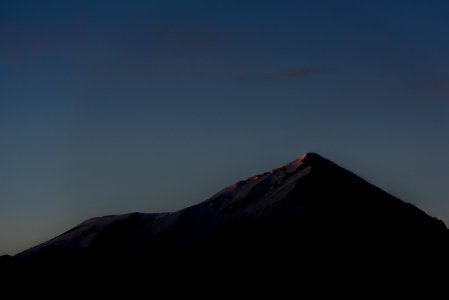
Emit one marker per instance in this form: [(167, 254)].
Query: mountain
[(308, 214)]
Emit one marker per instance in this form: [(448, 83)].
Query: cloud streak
[(434, 91), (289, 74)]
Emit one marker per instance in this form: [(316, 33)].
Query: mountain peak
[(310, 201), (305, 160), (311, 157)]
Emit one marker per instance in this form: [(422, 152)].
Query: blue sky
[(117, 106)]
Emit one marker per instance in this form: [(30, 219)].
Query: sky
[(109, 107)]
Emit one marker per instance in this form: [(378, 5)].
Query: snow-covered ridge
[(256, 196), (254, 180)]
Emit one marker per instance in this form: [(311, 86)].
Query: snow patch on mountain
[(257, 196)]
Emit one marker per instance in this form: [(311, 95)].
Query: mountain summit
[(310, 211)]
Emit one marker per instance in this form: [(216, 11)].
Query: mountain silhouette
[(308, 214)]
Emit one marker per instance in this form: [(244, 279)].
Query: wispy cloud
[(185, 37), (288, 74), (433, 91)]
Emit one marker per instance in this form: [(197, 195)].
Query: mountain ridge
[(309, 212), (234, 199)]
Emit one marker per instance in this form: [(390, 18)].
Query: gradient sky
[(110, 107)]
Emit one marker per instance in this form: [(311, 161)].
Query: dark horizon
[(109, 107)]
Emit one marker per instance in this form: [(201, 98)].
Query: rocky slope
[(310, 212)]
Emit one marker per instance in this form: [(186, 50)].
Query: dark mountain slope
[(309, 214)]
